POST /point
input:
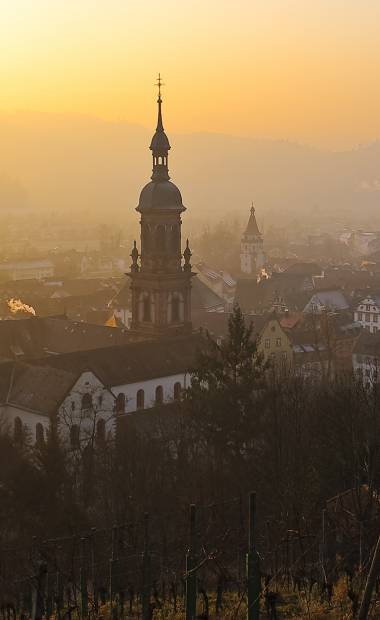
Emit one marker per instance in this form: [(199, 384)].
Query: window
[(159, 395), (278, 342), (72, 405), (368, 307), (174, 237), (100, 400), (177, 390), (146, 309), (39, 434), (267, 343), (120, 403), (86, 401), (74, 436), (374, 318), (175, 309), (17, 430), (100, 430), (284, 356), (160, 239), (140, 399)]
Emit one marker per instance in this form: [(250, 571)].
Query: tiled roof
[(35, 388), (138, 361), (34, 337), (203, 297)]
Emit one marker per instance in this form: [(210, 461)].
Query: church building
[(160, 273), (252, 257)]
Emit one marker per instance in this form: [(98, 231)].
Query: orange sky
[(303, 70)]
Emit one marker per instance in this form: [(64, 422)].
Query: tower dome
[(160, 195)]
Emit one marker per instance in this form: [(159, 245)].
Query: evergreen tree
[(225, 389)]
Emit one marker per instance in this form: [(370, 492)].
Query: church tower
[(160, 274), (252, 257)]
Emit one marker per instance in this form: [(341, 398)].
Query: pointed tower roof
[(252, 227)]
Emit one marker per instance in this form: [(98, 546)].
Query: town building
[(367, 313), (252, 257), (31, 396)]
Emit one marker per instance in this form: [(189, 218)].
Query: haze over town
[(189, 310)]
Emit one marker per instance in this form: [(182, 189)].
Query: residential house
[(367, 313)]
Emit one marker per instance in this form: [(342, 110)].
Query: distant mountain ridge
[(86, 163)]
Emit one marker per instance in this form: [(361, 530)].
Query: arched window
[(74, 436), (120, 403), (177, 390), (40, 437), (100, 430), (86, 401), (17, 430), (140, 399), (159, 395), (146, 309), (146, 238), (174, 239), (160, 238), (175, 309)]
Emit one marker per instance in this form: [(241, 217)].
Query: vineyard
[(211, 564)]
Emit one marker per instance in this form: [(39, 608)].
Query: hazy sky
[(296, 69)]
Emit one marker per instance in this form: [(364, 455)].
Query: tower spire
[(160, 144), (160, 126)]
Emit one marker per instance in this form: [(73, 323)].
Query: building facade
[(367, 313)]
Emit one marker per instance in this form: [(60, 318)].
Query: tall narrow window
[(140, 399), (120, 403), (160, 238), (74, 436), (175, 309), (17, 430), (86, 401), (39, 434), (100, 430), (177, 390), (146, 309), (159, 395)]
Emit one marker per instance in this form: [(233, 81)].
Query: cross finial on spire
[(159, 83), (252, 208)]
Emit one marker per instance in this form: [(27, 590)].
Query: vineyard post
[(83, 581), (39, 591), (253, 566), (191, 576), (371, 582), (113, 567), (49, 595), (93, 570), (146, 581), (58, 595)]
